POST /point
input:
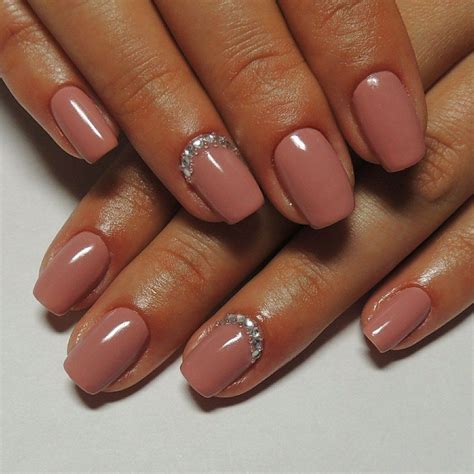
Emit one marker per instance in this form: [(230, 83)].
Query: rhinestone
[(249, 324), (198, 143), (258, 346), (256, 354), (232, 318)]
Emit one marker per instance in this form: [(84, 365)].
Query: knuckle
[(189, 255), (308, 278), (145, 83), (443, 169), (331, 12), (254, 65)]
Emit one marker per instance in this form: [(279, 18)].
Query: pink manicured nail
[(223, 355), (72, 273), (395, 318), (82, 123), (388, 120), (107, 350), (212, 165), (314, 177)]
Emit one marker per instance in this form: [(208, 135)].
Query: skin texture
[(191, 267), (249, 64), (310, 282)]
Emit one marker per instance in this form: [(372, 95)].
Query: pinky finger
[(434, 286), (47, 85)]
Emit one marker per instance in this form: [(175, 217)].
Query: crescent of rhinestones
[(253, 332), (199, 143)]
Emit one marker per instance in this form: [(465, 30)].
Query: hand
[(283, 90), (184, 273)]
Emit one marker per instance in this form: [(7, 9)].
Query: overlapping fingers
[(319, 274), (275, 100), (174, 283)]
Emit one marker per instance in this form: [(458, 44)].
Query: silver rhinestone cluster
[(199, 143), (252, 330)]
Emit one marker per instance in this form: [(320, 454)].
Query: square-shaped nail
[(223, 355), (388, 120), (396, 317), (107, 350), (72, 273), (214, 168), (313, 176), (83, 123)]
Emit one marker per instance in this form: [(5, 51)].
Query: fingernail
[(212, 165), (314, 177), (223, 355), (395, 318), (72, 273), (388, 120), (83, 124), (107, 350)]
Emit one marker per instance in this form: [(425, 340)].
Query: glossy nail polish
[(213, 167), (313, 176), (388, 120), (223, 355), (395, 318), (72, 273), (83, 124), (107, 350)]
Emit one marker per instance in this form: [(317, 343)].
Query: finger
[(318, 275), (442, 39), (433, 287), (361, 54), (164, 294), (128, 57), (272, 103), (112, 224), (60, 101)]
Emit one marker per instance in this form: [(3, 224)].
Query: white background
[(337, 408)]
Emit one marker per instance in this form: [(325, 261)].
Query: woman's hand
[(283, 81), (162, 295)]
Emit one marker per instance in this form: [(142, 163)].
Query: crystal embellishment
[(202, 142), (253, 332)]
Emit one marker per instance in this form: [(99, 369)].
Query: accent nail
[(107, 350), (395, 318), (83, 123), (223, 355), (72, 273), (388, 120), (213, 166), (314, 177)]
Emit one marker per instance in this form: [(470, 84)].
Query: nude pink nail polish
[(395, 318), (107, 350), (72, 273), (213, 167), (223, 355), (314, 177), (83, 124), (388, 120)]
